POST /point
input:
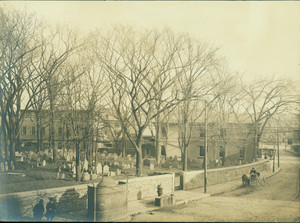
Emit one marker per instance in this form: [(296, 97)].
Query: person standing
[(51, 209), (38, 211)]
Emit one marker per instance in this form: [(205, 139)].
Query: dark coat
[(50, 210), (38, 211)]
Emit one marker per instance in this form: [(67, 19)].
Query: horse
[(245, 180)]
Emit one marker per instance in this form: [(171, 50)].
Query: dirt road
[(273, 202)]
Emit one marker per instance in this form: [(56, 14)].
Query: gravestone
[(118, 172), (116, 164), (103, 155), (110, 155), (115, 156), (94, 176), (163, 160), (22, 159), (86, 176), (112, 174), (30, 155), (68, 158), (99, 168), (62, 176), (74, 171), (151, 167), (44, 163), (132, 165), (2, 167), (106, 170), (85, 165), (57, 175)]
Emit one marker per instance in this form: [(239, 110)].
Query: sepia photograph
[(150, 111)]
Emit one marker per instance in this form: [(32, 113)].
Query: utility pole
[(274, 153), (205, 153), (277, 144)]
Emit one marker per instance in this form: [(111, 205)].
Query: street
[(274, 202)]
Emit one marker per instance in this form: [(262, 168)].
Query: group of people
[(38, 210)]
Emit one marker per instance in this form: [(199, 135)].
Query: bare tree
[(199, 62), (264, 98), (135, 65), (17, 45), (57, 45)]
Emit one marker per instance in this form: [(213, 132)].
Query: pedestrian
[(38, 211), (51, 209)]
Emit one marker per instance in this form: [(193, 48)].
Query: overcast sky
[(257, 38)]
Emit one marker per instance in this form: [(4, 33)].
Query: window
[(24, 130), (60, 130), (202, 132), (33, 131), (163, 150), (202, 150), (242, 153), (222, 152)]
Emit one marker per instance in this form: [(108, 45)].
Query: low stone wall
[(194, 179), (17, 206), (144, 187)]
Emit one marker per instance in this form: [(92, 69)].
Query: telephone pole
[(205, 152)]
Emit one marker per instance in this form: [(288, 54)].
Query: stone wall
[(144, 187), (194, 179), (17, 206)]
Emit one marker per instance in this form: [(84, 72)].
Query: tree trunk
[(139, 164), (51, 131), (185, 158), (157, 141), (123, 144), (37, 134), (78, 167)]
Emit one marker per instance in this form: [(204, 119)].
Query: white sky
[(257, 38)]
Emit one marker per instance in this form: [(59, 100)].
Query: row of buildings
[(233, 144)]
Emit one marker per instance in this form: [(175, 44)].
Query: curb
[(272, 174), (193, 199)]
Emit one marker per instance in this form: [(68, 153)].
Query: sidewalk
[(181, 197)]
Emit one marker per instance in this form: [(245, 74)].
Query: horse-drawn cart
[(253, 179)]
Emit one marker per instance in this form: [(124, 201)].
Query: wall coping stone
[(227, 168), (137, 179), (51, 190)]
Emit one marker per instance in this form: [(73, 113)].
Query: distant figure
[(38, 211), (51, 209), (252, 171)]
